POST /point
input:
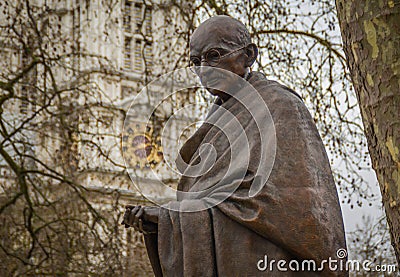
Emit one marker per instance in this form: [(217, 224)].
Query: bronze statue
[(294, 216)]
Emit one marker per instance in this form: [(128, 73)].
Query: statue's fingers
[(129, 207), (138, 217), (136, 209), (126, 217), (139, 214), (131, 216)]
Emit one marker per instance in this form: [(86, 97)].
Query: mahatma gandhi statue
[(286, 210)]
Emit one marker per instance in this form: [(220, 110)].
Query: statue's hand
[(142, 219)]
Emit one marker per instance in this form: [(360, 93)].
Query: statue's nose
[(204, 62)]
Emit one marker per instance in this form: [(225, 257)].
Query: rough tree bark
[(371, 38)]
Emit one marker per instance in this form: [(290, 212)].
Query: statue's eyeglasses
[(212, 57)]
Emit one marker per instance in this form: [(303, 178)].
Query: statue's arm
[(145, 220)]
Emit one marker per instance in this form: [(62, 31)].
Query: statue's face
[(204, 43)]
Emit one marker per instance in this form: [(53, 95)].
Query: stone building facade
[(105, 53)]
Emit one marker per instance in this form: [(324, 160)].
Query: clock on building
[(141, 146)]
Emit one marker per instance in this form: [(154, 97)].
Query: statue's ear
[(252, 53)]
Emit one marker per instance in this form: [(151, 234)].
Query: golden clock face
[(140, 146)]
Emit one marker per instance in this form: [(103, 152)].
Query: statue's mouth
[(212, 80)]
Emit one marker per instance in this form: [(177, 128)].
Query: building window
[(138, 17), (25, 89), (148, 56), (127, 16), (148, 19), (127, 53), (138, 56)]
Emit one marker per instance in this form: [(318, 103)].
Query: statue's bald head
[(220, 32), (222, 42)]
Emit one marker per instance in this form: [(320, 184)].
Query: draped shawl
[(294, 215)]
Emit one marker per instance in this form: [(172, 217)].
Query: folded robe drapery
[(295, 215)]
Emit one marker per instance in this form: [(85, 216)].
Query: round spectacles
[(212, 57)]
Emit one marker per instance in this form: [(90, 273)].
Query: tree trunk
[(371, 38)]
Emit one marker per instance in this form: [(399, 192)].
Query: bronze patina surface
[(295, 216)]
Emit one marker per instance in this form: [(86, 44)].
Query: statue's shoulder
[(271, 88)]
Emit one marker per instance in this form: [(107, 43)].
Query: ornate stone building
[(95, 58)]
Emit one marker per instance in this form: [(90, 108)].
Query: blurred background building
[(75, 68)]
